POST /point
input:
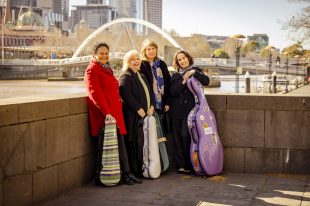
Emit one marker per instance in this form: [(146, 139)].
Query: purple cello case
[(206, 148)]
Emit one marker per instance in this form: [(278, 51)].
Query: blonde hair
[(127, 58), (145, 44)]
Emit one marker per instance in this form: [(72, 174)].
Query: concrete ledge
[(234, 159), (296, 161), (43, 110), (287, 129), (217, 102), (45, 185), (243, 128), (8, 115), (46, 150), (18, 190), (270, 102), (263, 160)]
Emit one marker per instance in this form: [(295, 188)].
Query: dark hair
[(100, 44), (175, 59)]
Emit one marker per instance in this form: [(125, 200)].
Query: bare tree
[(298, 26)]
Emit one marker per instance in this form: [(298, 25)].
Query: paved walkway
[(175, 189)]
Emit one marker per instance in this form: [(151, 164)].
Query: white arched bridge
[(69, 64)]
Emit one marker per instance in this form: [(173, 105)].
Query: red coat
[(103, 97)]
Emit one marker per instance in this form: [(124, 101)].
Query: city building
[(94, 2), (153, 12), (216, 42), (94, 14), (261, 39)]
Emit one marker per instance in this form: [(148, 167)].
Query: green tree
[(220, 53), (251, 46)]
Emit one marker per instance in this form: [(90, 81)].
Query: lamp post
[(270, 49), (297, 65), (2, 32), (237, 40), (286, 72)]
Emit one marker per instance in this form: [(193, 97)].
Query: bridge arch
[(124, 20)]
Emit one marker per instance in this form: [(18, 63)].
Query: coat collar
[(99, 66)]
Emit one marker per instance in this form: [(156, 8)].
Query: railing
[(215, 62)]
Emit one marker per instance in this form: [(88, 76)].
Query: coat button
[(185, 101)]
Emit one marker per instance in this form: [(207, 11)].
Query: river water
[(28, 88)]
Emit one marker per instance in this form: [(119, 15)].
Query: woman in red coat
[(104, 103)]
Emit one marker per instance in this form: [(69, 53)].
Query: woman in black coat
[(137, 102), (181, 103), (157, 74)]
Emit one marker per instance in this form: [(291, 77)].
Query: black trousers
[(135, 150), (123, 158), (182, 142)]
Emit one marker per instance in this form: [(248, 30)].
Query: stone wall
[(45, 149), (264, 134)]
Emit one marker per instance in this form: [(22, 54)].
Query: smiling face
[(182, 60), (151, 52), (134, 63), (102, 55)]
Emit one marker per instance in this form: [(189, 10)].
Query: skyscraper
[(18, 3), (153, 12), (61, 7)]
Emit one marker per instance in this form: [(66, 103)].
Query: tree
[(294, 50), (251, 46), (299, 25), (220, 53)]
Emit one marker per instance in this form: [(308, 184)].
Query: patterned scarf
[(106, 66), (158, 84)]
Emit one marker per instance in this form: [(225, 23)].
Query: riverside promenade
[(173, 189), (47, 156)]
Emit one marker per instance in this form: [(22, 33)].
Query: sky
[(228, 17)]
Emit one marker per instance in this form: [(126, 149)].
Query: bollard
[(274, 82), (247, 82)]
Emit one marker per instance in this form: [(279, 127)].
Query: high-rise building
[(61, 7), (18, 3), (153, 12), (261, 39), (94, 1), (95, 15)]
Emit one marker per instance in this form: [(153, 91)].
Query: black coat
[(133, 99), (181, 100), (147, 71)]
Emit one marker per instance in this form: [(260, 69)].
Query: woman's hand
[(109, 118), (150, 111), (187, 75), (166, 108), (141, 112)]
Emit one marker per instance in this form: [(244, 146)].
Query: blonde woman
[(137, 103), (157, 75)]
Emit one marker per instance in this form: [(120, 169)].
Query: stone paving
[(176, 189)]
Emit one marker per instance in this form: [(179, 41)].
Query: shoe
[(134, 178), (126, 180), (184, 171), (181, 170), (187, 171)]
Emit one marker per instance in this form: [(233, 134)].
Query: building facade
[(153, 12), (94, 14), (261, 39)]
